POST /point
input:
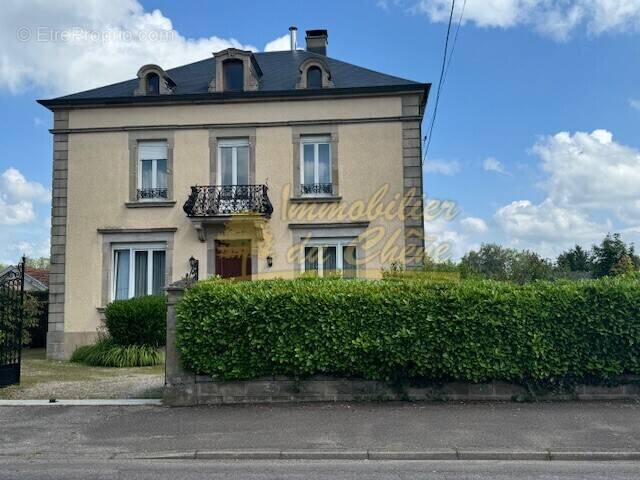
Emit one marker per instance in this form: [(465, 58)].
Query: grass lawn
[(45, 379)]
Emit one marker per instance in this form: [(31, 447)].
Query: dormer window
[(153, 80), (314, 77), (233, 75), (153, 84), (314, 73)]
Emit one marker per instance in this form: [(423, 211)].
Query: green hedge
[(137, 321), (472, 331)]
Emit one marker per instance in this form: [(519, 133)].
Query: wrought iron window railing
[(152, 193), (213, 200), (316, 189)]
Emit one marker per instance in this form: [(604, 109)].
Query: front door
[(233, 259)]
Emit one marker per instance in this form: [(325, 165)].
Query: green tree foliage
[(609, 253), (469, 331), (623, 267), (492, 261), (576, 259), (41, 262), (527, 266)]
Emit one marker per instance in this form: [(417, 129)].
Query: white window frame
[(154, 168), (321, 244), (132, 248), (315, 140), (233, 144)]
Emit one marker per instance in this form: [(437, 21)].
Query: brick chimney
[(317, 41)]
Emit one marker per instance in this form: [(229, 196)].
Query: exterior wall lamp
[(269, 261)]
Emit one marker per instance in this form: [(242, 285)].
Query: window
[(152, 170), (233, 162), (330, 257), (315, 166), (138, 270), (314, 77), (153, 84), (233, 71)]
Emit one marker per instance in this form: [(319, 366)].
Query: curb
[(443, 455), (85, 402)]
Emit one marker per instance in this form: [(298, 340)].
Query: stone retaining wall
[(186, 388)]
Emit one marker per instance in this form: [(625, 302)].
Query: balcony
[(316, 189), (227, 200)]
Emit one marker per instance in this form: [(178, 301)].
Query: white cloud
[(524, 220), (474, 225), (15, 187), (634, 103), (443, 167), (16, 213), (446, 240), (64, 47), (279, 44), (557, 19), (491, 164), (590, 170)]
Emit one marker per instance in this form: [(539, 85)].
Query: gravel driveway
[(46, 379)]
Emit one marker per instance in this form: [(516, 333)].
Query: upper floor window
[(138, 270), (152, 170), (314, 77), (315, 165), (233, 71), (233, 162), (153, 84)]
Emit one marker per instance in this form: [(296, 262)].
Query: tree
[(624, 265), (607, 255), (41, 262), (491, 261), (528, 266), (576, 259)]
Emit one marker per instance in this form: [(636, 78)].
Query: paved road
[(582, 426), (85, 469)]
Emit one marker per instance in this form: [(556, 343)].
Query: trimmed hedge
[(137, 321), (470, 331)]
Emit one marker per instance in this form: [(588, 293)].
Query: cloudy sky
[(538, 132)]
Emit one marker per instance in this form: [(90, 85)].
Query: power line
[(455, 40), (443, 72)]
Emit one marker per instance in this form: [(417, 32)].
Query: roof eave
[(54, 103)]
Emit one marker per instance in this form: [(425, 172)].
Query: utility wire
[(455, 40), (443, 71)]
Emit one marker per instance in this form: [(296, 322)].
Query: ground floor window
[(138, 270), (330, 257)]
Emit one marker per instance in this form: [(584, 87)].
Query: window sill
[(315, 199), (163, 203)]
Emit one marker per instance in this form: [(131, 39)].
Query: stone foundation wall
[(186, 388)]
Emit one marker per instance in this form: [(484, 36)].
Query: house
[(35, 279), (257, 165)]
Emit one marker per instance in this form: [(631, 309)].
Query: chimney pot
[(293, 34), (317, 41)]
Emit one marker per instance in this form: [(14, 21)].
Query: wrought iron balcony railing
[(316, 189), (152, 193), (215, 200)]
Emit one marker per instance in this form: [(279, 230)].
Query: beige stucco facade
[(377, 149)]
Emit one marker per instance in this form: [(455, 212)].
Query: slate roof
[(280, 71)]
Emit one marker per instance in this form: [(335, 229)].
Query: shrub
[(137, 321), (105, 353), (469, 331)]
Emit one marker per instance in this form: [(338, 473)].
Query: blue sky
[(537, 138)]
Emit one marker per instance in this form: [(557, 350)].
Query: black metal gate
[(11, 318)]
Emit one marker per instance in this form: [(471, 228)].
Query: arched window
[(233, 75), (153, 84), (314, 77)]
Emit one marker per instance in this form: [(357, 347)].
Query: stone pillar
[(180, 384)]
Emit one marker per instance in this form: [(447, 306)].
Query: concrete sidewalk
[(454, 430)]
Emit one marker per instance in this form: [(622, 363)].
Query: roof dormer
[(314, 73), (153, 80), (236, 71)]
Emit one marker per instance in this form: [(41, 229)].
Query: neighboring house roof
[(280, 73), (35, 278)]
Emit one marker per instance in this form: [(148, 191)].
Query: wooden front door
[(233, 259)]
